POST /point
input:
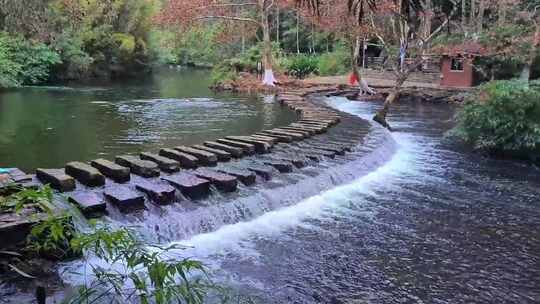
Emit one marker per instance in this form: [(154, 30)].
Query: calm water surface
[(49, 126)]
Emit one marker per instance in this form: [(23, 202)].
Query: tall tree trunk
[(464, 15), (297, 32), (480, 17), (355, 54), (268, 78), (472, 15), (277, 24), (503, 8), (526, 70), (313, 37)]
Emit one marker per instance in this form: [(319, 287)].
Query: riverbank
[(412, 90)]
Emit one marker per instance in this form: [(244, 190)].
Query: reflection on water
[(48, 126)]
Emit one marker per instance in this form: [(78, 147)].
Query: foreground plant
[(137, 272)]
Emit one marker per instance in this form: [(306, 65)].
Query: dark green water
[(49, 126)]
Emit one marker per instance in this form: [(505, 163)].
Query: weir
[(177, 192)]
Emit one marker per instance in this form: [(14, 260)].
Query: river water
[(434, 224), (429, 222), (47, 126)]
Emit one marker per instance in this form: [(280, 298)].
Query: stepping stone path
[(90, 203), (111, 170), (164, 163), (186, 160), (260, 145), (206, 158), (125, 199), (158, 192), (138, 166), (85, 174), (248, 149), (235, 151), (286, 148), (222, 155), (57, 178), (189, 184), (246, 177), (222, 181)]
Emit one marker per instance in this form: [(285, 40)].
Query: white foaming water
[(236, 237)]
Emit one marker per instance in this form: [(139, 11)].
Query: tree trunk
[(297, 32), (526, 70), (380, 117), (502, 13), (472, 15), (277, 24), (464, 15), (480, 17), (355, 52), (268, 78)]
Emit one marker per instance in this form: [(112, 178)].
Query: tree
[(405, 29), (402, 28), (255, 12)]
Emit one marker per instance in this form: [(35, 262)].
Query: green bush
[(335, 63), (222, 73), (9, 68), (24, 62), (503, 117), (301, 66)]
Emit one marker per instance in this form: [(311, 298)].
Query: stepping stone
[(186, 160), (271, 140), (315, 124), (111, 170), (323, 147), (85, 174), (190, 185), (15, 228), (304, 154), (235, 151), (144, 168), (281, 166), (260, 146), (318, 130), (246, 177), (90, 203), (248, 149), (293, 136), (279, 138), (325, 153), (221, 154), (222, 181), (158, 192), (164, 163), (328, 123), (19, 176), (124, 198), (304, 134), (298, 162), (205, 157), (57, 178), (302, 131), (261, 170)]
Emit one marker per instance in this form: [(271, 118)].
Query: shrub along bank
[(503, 118)]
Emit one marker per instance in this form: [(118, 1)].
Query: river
[(434, 224), (47, 126), (431, 223)]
